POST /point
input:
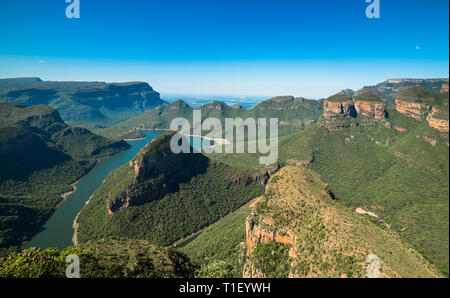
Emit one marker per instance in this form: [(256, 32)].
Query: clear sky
[(249, 47)]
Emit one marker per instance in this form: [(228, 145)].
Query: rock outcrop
[(339, 106), (414, 110), (435, 122), (156, 171), (344, 106), (415, 102), (420, 104), (260, 178), (298, 229), (371, 109)]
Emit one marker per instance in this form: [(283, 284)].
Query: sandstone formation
[(435, 122), (420, 104), (371, 109), (444, 88), (344, 106), (156, 169), (339, 106), (417, 111)]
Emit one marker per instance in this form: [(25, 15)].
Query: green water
[(57, 231)]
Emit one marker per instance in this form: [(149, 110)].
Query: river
[(57, 231)]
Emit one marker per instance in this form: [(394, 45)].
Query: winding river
[(57, 231)]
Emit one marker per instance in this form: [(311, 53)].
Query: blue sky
[(265, 47)]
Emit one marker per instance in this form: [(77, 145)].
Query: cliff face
[(371, 109), (338, 109), (156, 171), (84, 101), (417, 111), (420, 104), (444, 88), (435, 122), (297, 229), (344, 106)]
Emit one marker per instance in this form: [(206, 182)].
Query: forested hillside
[(40, 156)]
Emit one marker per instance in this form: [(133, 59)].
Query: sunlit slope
[(299, 229)]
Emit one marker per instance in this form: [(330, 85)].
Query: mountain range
[(361, 175)]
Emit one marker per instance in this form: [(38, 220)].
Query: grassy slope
[(217, 248), (399, 172), (332, 240)]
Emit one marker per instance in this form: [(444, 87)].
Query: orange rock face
[(255, 234), (415, 110), (439, 124), (371, 109), (444, 88), (338, 109), (400, 129)]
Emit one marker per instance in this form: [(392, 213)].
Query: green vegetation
[(366, 96), (188, 204), (400, 176), (272, 258), (417, 94), (293, 113), (340, 98), (107, 258), (219, 249), (389, 90), (89, 104), (39, 157), (322, 238)]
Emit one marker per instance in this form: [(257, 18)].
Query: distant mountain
[(294, 114), (389, 89), (40, 155), (92, 104)]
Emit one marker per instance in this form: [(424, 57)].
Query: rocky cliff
[(370, 105), (298, 229), (415, 110), (444, 88), (339, 105), (83, 102), (344, 106), (436, 121), (156, 169), (420, 104)]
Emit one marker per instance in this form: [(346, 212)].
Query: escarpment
[(345, 106), (339, 105), (298, 229), (420, 104), (418, 111), (436, 121), (444, 88), (157, 170), (370, 105)]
